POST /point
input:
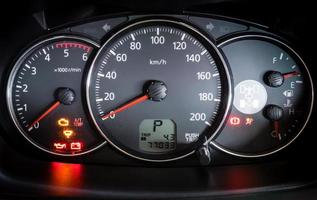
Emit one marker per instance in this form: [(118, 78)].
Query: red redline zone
[(67, 45)]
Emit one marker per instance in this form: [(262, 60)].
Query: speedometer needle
[(126, 106), (156, 91), (48, 111)]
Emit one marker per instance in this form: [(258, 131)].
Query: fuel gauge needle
[(43, 115), (290, 74)]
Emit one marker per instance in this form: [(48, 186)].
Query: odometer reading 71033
[(156, 88)]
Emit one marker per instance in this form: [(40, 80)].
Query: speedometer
[(158, 89)]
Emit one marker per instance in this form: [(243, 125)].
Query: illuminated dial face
[(272, 102), (156, 90), (44, 96)]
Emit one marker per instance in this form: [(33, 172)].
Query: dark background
[(291, 176)]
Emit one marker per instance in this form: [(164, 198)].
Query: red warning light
[(60, 146), (234, 121), (78, 122), (76, 146)]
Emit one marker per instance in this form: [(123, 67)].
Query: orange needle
[(277, 129), (126, 106), (290, 74), (48, 111)]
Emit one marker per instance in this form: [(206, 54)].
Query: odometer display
[(157, 135), (157, 90)]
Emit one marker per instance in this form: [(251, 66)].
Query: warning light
[(68, 133), (78, 122), (234, 121), (76, 146), (249, 121), (60, 146), (63, 122)]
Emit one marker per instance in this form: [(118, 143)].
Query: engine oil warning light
[(59, 146)]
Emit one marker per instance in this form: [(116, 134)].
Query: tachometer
[(158, 89), (44, 96)]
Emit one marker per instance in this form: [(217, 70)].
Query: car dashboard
[(157, 100)]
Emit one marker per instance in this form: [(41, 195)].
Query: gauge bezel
[(227, 92), (297, 58), (12, 76)]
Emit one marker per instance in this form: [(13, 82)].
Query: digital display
[(157, 135)]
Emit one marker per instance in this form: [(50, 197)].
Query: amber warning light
[(63, 122), (68, 133)]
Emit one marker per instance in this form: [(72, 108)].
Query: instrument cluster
[(159, 88)]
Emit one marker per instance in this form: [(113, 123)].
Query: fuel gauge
[(273, 97)]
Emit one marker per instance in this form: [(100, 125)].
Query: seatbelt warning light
[(249, 121)]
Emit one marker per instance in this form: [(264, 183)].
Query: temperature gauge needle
[(126, 106), (277, 129), (48, 111), (275, 113), (290, 74)]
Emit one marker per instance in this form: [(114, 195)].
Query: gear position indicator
[(157, 135)]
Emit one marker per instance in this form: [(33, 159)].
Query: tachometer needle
[(48, 111), (126, 106), (290, 74)]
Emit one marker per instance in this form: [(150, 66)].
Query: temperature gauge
[(272, 102)]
